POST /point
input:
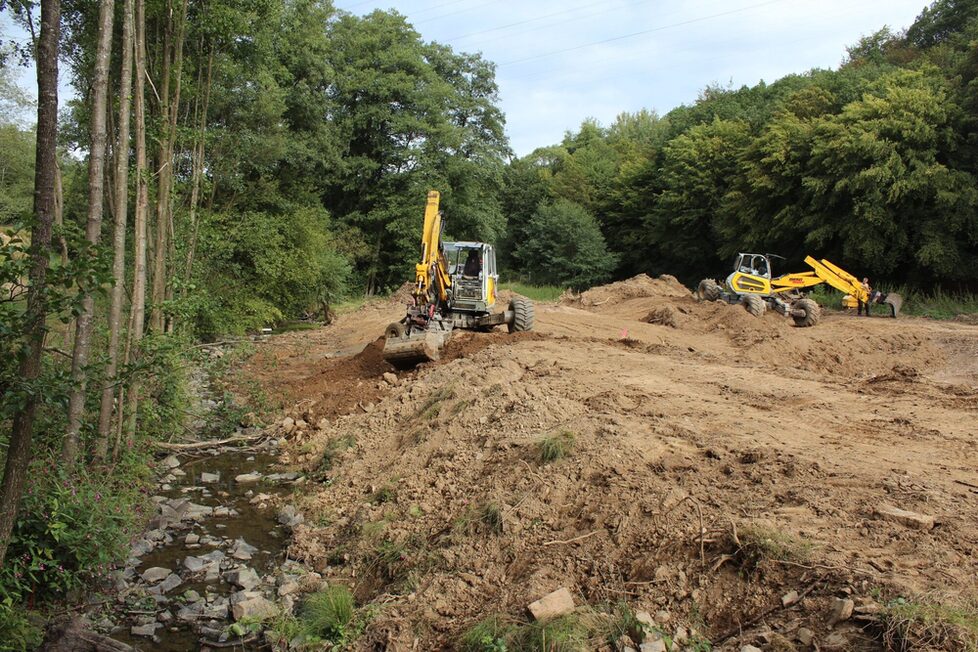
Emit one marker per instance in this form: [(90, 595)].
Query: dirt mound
[(641, 286), (403, 295)]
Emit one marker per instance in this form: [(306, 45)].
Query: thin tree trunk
[(138, 315), (93, 231), (45, 171), (198, 171), (121, 192)]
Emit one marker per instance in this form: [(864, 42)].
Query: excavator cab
[(472, 267)]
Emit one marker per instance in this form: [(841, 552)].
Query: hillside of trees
[(872, 165), (228, 165)]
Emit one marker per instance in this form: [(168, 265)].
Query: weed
[(431, 408), (386, 494), (567, 633), (414, 511), (492, 517), (924, 625), (556, 447), (328, 614), (487, 635), (374, 530), (758, 543), (333, 449)]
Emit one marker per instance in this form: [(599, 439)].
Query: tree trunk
[(45, 171), (198, 172), (138, 315), (93, 231), (121, 192)]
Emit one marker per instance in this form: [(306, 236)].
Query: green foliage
[(18, 633), (328, 614), (927, 623), (563, 245), (541, 293), (71, 529), (556, 447)]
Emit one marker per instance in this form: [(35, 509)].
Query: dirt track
[(689, 430)]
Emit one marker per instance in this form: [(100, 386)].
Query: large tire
[(523, 316), (754, 304), (394, 330), (813, 312), (708, 290)]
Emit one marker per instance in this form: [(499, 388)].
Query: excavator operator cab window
[(762, 267), (473, 264)]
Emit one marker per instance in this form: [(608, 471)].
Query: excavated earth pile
[(738, 477)]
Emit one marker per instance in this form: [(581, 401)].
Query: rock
[(191, 596), (142, 547), (171, 582), (195, 512), (836, 642), (257, 607), (390, 378), (260, 498), (210, 478), (288, 588), (155, 574), (144, 630), (558, 603), (164, 616), (246, 578), (841, 610), (242, 550), (289, 517), (170, 462), (910, 519), (288, 424), (657, 645), (191, 539), (247, 478), (789, 598), (750, 648), (662, 616), (680, 635), (805, 636)]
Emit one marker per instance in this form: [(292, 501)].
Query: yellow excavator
[(751, 283), (455, 287)]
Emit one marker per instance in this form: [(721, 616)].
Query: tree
[(564, 246), (19, 450), (93, 229)]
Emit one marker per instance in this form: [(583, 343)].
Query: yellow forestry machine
[(455, 287), (752, 285)]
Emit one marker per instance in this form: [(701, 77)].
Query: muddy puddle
[(212, 554)]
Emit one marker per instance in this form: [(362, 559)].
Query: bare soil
[(718, 462)]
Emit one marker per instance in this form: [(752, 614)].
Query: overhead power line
[(622, 37)]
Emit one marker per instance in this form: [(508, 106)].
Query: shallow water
[(257, 527)]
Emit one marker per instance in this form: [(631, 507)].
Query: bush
[(328, 614), (70, 531)]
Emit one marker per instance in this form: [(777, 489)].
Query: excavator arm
[(845, 282), (432, 280)]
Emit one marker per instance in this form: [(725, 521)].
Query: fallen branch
[(767, 612), (210, 443)]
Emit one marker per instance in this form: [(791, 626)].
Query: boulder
[(552, 605)]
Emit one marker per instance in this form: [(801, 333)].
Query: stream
[(212, 554)]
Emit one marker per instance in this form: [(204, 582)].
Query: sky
[(560, 62)]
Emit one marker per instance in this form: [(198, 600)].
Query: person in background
[(865, 304)]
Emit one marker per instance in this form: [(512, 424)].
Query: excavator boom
[(845, 282)]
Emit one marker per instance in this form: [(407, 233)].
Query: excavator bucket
[(895, 302), (406, 351)]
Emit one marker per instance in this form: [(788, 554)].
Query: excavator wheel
[(805, 312), (708, 290), (395, 329), (754, 304), (523, 316)]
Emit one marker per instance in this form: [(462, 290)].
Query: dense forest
[(227, 165)]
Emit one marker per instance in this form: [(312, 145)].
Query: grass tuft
[(556, 447), (492, 517), (759, 543), (328, 614), (922, 625), (333, 450), (432, 406)]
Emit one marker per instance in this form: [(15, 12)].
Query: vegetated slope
[(705, 467)]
